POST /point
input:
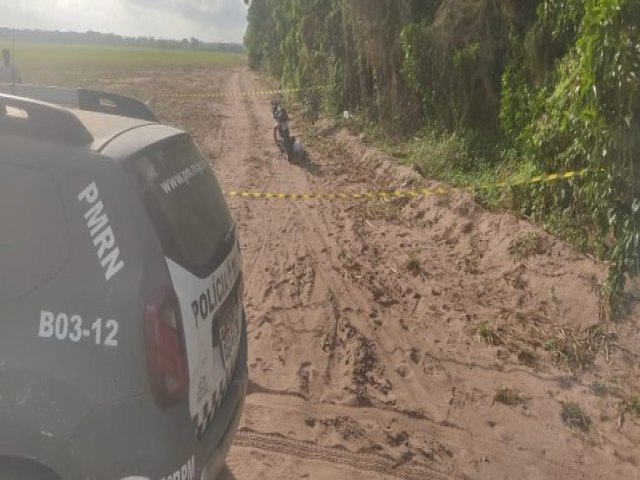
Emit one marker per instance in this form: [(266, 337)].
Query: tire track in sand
[(361, 461)]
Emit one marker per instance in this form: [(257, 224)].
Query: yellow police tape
[(387, 195), (236, 94)]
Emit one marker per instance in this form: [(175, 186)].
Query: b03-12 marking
[(65, 327)]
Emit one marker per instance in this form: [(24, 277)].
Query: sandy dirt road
[(380, 333)]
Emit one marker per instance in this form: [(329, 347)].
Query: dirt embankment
[(421, 338)]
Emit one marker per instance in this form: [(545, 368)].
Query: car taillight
[(166, 352)]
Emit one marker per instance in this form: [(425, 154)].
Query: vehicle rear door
[(197, 234)]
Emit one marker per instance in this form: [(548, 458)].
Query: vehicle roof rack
[(42, 120), (114, 104), (84, 99)]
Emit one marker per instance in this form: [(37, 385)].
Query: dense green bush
[(580, 111)]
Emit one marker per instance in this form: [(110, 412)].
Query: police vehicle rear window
[(184, 201), (34, 243)]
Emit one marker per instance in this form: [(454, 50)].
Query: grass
[(449, 158), (413, 264), (577, 349), (527, 356), (573, 416), (526, 246), (439, 155), (633, 405), (508, 396), (599, 389), (38, 55), (573, 349), (87, 65), (568, 349), (489, 334)]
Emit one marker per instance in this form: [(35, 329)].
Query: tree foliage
[(573, 102)]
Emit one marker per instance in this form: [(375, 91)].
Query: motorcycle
[(281, 135)]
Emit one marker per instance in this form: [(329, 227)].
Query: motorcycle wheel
[(279, 140)]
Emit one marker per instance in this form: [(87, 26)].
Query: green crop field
[(35, 55), (76, 65)]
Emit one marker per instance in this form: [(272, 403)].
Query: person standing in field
[(9, 73)]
